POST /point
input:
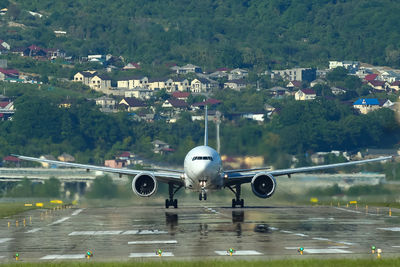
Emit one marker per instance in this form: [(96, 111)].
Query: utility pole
[(218, 122)]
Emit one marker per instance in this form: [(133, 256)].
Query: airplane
[(203, 172)]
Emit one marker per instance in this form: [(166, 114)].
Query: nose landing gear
[(237, 201), (203, 193)]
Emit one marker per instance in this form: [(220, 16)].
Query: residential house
[(338, 90), (237, 74), (371, 77), (202, 85), (236, 85), (8, 74), (181, 95), (84, 77), (101, 59), (132, 66), (189, 68), (106, 103), (175, 104), (100, 82), (161, 147), (55, 53), (133, 82), (255, 116), (65, 157), (161, 83), (386, 103), (180, 84), (4, 46), (351, 66), (395, 85), (389, 76), (294, 84), (132, 104), (316, 82), (209, 102), (366, 105), (378, 85), (9, 161), (295, 74), (59, 33), (3, 11), (139, 93), (115, 163), (305, 94), (35, 51), (218, 75), (6, 109), (278, 91)]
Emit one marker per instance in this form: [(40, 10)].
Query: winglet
[(206, 126)]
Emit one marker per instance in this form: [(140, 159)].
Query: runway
[(198, 232)]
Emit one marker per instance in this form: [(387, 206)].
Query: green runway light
[(373, 248), (16, 254)]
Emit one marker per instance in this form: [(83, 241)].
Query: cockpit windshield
[(202, 158)]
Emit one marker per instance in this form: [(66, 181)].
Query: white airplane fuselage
[(203, 169)]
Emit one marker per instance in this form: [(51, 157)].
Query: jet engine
[(144, 184), (263, 185)]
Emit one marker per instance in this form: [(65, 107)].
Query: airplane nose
[(203, 170)]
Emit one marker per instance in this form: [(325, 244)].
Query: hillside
[(213, 33)]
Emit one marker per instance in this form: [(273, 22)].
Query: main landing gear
[(172, 189), (237, 201)]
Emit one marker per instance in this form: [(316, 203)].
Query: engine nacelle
[(263, 185), (144, 184)]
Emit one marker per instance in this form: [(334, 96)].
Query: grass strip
[(228, 263)]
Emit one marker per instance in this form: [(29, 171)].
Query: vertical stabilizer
[(206, 127)]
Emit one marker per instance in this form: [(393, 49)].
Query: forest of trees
[(212, 33)]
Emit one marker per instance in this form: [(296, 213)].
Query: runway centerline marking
[(302, 235), (63, 257), (321, 239), (152, 242), (238, 253), (34, 230), (3, 240), (59, 221), (353, 211), (151, 254), (76, 212)]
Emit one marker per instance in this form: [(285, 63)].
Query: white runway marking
[(120, 232), (354, 211), (273, 228), (344, 243), (286, 232), (76, 212), (326, 251), (63, 257), (395, 246), (151, 254), (107, 232), (34, 230), (2, 240), (303, 235), (2, 257), (239, 253), (152, 242), (321, 239), (393, 229), (59, 221), (343, 247)]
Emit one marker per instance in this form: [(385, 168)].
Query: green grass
[(229, 263), (10, 209)]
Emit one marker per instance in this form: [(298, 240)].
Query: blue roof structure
[(367, 101)]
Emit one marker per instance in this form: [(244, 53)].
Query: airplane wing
[(162, 176), (239, 177)]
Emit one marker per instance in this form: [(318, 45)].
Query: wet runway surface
[(198, 232)]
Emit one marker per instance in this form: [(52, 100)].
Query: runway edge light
[(301, 250)]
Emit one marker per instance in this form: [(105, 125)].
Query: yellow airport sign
[(353, 202), (314, 200), (28, 205), (39, 204), (56, 201)]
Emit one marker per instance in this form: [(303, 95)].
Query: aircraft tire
[(233, 203), (175, 203), (167, 203), (200, 197), (205, 196), (242, 203)]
